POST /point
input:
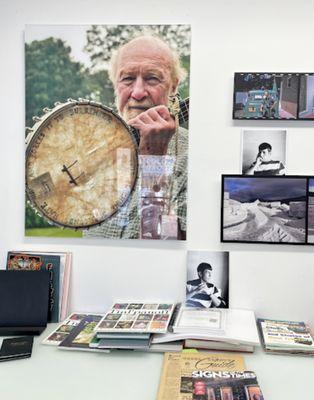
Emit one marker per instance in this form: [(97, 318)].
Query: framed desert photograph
[(107, 109), (310, 212), (207, 283), (264, 209), (264, 152), (265, 95)]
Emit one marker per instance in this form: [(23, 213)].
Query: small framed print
[(265, 95), (264, 152)]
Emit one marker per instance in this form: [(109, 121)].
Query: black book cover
[(15, 348), (24, 297)]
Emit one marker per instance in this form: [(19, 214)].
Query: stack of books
[(59, 266), (286, 337), (132, 325), (213, 329), (125, 326), (159, 327)]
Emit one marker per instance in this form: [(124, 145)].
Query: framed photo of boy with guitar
[(107, 140)]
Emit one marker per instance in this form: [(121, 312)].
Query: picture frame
[(273, 96), (272, 210)]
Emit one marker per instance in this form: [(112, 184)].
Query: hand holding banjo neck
[(178, 108), (82, 162)]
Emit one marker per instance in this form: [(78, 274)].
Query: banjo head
[(81, 164)]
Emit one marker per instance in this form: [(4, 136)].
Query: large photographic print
[(265, 96), (264, 209), (107, 111)]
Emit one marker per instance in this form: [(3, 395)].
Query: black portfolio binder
[(24, 297)]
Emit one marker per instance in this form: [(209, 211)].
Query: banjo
[(82, 162)]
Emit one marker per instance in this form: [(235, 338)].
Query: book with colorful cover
[(138, 317), (83, 335), (64, 329), (286, 336), (221, 385)]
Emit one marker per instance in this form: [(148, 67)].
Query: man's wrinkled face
[(143, 77)]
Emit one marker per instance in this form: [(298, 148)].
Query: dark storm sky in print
[(269, 189)]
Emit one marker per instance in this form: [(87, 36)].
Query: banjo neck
[(183, 116)]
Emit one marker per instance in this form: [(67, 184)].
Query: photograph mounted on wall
[(264, 209), (107, 110), (265, 96), (310, 212), (264, 152), (306, 98)]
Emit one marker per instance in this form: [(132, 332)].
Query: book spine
[(174, 316)]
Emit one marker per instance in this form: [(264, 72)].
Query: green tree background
[(51, 75)]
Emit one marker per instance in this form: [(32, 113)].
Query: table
[(52, 373)]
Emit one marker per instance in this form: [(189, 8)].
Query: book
[(217, 345), (123, 335), (58, 265), (199, 319), (124, 344), (24, 302), (82, 335), (64, 329), (238, 327), (177, 366), (16, 348), (221, 385), (152, 317), (291, 337)]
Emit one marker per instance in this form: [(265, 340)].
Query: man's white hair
[(178, 73)]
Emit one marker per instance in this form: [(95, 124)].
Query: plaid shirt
[(125, 223)]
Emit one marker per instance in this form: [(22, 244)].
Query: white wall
[(227, 36)]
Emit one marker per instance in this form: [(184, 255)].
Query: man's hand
[(258, 160), (156, 127)]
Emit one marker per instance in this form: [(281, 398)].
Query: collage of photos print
[(273, 96), (137, 316)]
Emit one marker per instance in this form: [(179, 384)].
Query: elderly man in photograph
[(144, 73)]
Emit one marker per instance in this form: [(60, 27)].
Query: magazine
[(82, 335), (64, 329), (286, 336), (136, 317), (221, 385), (177, 366)]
